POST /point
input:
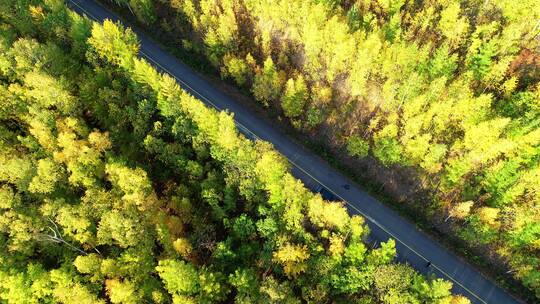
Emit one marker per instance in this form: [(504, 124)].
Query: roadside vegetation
[(438, 100), (118, 187)]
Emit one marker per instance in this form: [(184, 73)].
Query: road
[(413, 246)]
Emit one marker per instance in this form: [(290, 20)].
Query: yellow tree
[(293, 259)]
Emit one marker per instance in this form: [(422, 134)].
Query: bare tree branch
[(56, 237)]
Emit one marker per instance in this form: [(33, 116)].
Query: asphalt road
[(413, 246)]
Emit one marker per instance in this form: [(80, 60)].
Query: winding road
[(413, 246)]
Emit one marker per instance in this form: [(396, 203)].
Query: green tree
[(179, 277), (295, 97), (268, 83), (111, 41), (357, 147), (144, 10), (48, 174)]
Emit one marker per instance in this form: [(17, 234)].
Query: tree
[(144, 10), (48, 92), (68, 288), (183, 247), (30, 284), (133, 184), (179, 277), (17, 171), (294, 98), (352, 280), (292, 258), (443, 63), (89, 264), (355, 254), (481, 61), (459, 300), (237, 68), (111, 41), (267, 83), (387, 150), (212, 287), (272, 291), (326, 215), (357, 147), (246, 283), (121, 292), (393, 282), (436, 291), (121, 229), (221, 28), (244, 228), (488, 215), (460, 210), (451, 25), (48, 174), (383, 255)]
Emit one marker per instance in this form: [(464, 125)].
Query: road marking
[(297, 166)]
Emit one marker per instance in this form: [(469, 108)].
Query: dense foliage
[(449, 89), (118, 187)]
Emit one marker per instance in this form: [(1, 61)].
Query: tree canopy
[(116, 186), (441, 96)]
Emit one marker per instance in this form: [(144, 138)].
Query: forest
[(116, 186), (438, 100)]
